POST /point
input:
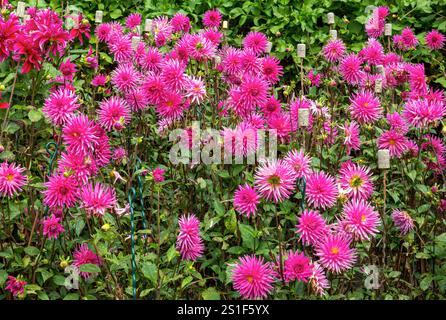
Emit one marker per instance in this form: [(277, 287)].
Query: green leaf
[(424, 208), (116, 14), (90, 268), (171, 253), (34, 115), (3, 277), (426, 282), (72, 296), (186, 281), (223, 174), (248, 235), (149, 271), (210, 294), (32, 251)]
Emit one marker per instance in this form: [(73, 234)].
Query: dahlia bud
[(106, 227), (118, 126), (63, 264), (2, 148), (2, 87)]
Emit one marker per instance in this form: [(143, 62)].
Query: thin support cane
[(131, 197)]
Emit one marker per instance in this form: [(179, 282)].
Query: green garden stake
[(141, 189), (302, 185), (131, 197), (53, 155)]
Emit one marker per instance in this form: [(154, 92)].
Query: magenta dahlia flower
[(410, 41), (365, 107), (299, 162), (189, 242), (311, 227), (403, 221), (60, 105), (275, 180), (52, 227), (356, 181), (121, 47), (15, 286), (114, 113), (97, 199), (434, 40), (11, 179), (422, 112), (246, 200), (335, 254), (394, 141), (271, 69), (252, 277), (361, 220), (351, 136), (158, 175), (212, 18), (334, 50), (180, 22), (321, 190), (125, 78), (256, 41), (83, 255), (133, 20), (61, 191), (318, 279), (297, 267), (350, 69), (81, 165), (79, 134)]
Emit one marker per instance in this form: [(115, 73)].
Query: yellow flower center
[(335, 250), (363, 218), (355, 181), (10, 177), (249, 279)]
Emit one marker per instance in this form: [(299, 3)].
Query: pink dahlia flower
[(52, 227), (299, 162), (189, 242), (311, 227), (83, 255), (335, 254), (351, 136), (350, 69), (403, 221), (365, 107), (435, 40), (252, 277), (356, 181), (113, 111), (15, 286), (11, 179), (61, 191), (246, 200), (212, 18), (97, 199), (361, 220), (394, 141), (318, 279), (334, 50), (321, 190), (275, 180), (59, 106), (79, 134), (297, 267), (256, 41)]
